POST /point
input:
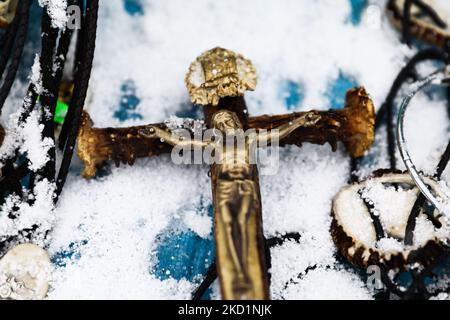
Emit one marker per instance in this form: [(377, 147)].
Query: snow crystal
[(174, 123), (27, 137), (328, 285), (389, 245), (442, 296), (200, 224), (393, 206), (34, 146), (57, 10), (35, 76), (40, 214)]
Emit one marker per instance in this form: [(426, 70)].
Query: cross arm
[(121, 145), (166, 136), (284, 130), (353, 125)]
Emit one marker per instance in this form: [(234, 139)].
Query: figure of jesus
[(236, 194)]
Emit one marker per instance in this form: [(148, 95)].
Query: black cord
[(8, 41), (51, 80), (420, 202), (52, 70), (47, 97), (387, 110), (52, 62), (430, 12), (354, 164), (417, 289), (29, 101), (379, 231), (63, 135), (21, 35), (88, 36), (406, 22), (210, 277), (406, 18)]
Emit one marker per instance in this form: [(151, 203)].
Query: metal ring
[(438, 77)]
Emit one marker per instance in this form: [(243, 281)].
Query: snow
[(121, 225), (33, 145), (200, 224), (390, 245), (116, 219), (325, 284), (194, 126), (393, 206), (35, 76), (57, 11), (28, 138), (40, 214), (442, 296)]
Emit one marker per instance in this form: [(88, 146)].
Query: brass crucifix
[(217, 80)]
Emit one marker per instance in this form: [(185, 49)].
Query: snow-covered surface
[(116, 219)]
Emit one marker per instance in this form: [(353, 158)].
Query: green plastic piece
[(60, 112)]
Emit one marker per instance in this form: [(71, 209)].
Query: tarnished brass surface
[(65, 91), (121, 145), (354, 125), (219, 73), (238, 213), (421, 28), (359, 122)]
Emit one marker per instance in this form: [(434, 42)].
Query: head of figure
[(226, 121)]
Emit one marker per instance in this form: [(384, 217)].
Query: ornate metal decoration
[(219, 73)]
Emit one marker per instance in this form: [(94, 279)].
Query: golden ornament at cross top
[(219, 73)]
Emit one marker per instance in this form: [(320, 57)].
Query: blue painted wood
[(357, 10), (292, 93), (337, 89), (128, 103), (134, 7)]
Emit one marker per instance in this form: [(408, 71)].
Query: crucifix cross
[(217, 81)]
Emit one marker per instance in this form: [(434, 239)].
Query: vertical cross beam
[(257, 286), (226, 76)]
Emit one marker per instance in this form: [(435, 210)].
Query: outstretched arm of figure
[(283, 131), (171, 138)]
